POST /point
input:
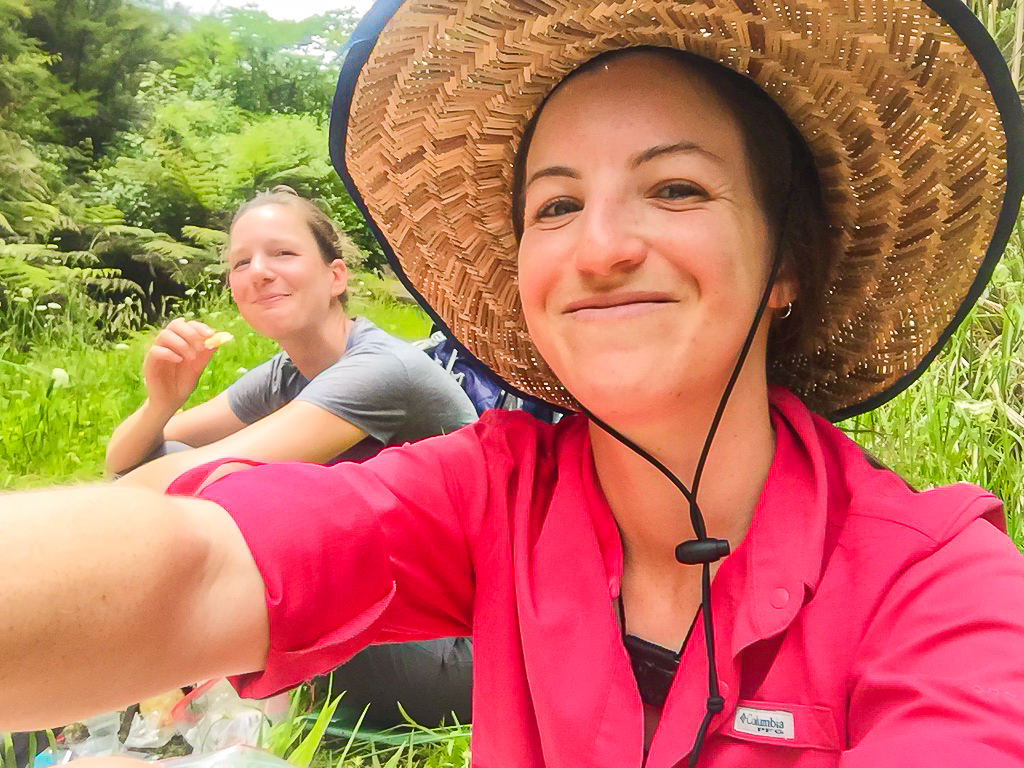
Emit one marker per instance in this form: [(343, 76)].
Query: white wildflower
[(60, 378)]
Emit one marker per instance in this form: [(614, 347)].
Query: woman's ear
[(340, 275), (784, 291)]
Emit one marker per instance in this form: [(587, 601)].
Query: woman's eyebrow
[(671, 149), (554, 170), (270, 244), (636, 161)]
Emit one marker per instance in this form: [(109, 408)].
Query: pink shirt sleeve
[(356, 554), (939, 678)]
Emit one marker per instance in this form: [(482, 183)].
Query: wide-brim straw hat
[(907, 107)]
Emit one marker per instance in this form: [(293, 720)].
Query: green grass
[(54, 428), (321, 740), (964, 419)]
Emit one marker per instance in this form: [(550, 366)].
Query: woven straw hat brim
[(908, 109)]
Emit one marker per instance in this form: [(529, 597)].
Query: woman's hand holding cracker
[(175, 362)]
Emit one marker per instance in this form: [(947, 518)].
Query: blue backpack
[(483, 387)]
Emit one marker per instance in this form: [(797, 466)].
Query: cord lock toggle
[(701, 551)]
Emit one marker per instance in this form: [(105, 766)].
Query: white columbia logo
[(775, 724)]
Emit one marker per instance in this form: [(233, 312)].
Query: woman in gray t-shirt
[(341, 389)]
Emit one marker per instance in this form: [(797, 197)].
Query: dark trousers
[(433, 681)]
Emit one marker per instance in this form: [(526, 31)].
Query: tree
[(98, 52), (130, 135), (30, 167), (266, 66)]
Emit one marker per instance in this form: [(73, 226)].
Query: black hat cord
[(704, 550)]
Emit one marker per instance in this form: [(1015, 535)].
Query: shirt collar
[(778, 566), (786, 539)]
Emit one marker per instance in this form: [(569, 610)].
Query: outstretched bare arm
[(109, 594)]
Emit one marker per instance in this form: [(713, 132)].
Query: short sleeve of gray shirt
[(387, 388)]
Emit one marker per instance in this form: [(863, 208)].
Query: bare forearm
[(137, 437), (102, 601)]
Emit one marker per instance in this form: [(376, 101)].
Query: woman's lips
[(270, 299), (617, 304)]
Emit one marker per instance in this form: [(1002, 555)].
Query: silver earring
[(787, 311)]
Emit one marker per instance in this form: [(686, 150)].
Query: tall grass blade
[(352, 737), (303, 754)]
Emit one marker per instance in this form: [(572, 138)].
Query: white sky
[(279, 9)]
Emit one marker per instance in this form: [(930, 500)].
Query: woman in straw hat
[(708, 271)]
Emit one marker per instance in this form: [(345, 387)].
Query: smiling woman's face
[(277, 274), (644, 249)]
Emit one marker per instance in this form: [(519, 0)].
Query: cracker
[(218, 339)]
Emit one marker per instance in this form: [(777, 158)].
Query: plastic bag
[(238, 756), (98, 738), (213, 717), (209, 719), (153, 725)]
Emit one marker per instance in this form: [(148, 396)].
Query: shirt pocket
[(780, 724)]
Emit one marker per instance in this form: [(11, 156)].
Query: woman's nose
[(610, 239), (259, 268)]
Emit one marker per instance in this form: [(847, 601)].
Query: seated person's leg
[(165, 448), (432, 680)]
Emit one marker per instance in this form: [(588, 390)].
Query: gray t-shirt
[(389, 389)]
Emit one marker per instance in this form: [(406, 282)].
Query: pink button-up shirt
[(859, 624)]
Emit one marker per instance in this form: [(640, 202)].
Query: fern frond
[(28, 253), (16, 274), (33, 218), (104, 216), (124, 230), (174, 250), (206, 238), (74, 259), (107, 281)]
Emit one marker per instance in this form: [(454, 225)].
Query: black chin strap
[(703, 550)]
